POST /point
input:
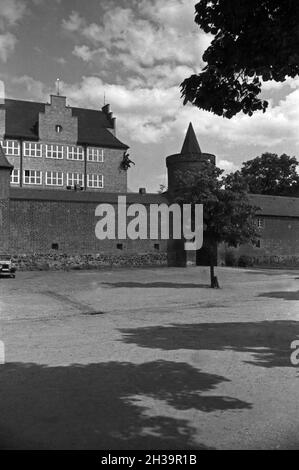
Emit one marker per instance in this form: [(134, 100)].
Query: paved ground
[(149, 358)]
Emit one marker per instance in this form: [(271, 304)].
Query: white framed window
[(11, 147), (55, 151), (32, 149), (32, 177), (75, 179), (95, 181), (95, 154), (54, 178), (260, 222), (15, 176), (75, 153)]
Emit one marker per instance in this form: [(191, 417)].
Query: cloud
[(60, 60), (7, 45), (227, 165), (74, 23), (139, 38), (26, 88), (142, 51), (151, 115), (2, 92), (83, 52), (11, 11), (155, 115)]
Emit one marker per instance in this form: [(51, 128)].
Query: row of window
[(33, 149), (55, 178)]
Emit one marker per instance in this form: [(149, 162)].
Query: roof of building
[(190, 145), (21, 121), (276, 205), (84, 196), (4, 163), (191, 151)]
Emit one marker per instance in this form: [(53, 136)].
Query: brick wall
[(115, 179), (4, 210), (57, 113), (279, 243), (39, 225)]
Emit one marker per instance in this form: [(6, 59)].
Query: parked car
[(6, 267)]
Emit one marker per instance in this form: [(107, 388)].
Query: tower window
[(58, 128), (55, 246)]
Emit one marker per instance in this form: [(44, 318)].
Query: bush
[(245, 261), (230, 258)]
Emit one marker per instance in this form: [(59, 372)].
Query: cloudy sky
[(137, 52)]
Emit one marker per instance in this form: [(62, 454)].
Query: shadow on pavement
[(167, 285), (286, 295), (95, 406), (271, 271), (268, 341)]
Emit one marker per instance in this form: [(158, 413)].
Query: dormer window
[(58, 129)]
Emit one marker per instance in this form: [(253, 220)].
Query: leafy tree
[(271, 174), (254, 41), (228, 215)]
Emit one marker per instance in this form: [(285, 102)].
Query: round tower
[(190, 159)]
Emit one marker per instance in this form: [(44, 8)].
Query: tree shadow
[(96, 406), (268, 341), (167, 285), (268, 272), (286, 295)]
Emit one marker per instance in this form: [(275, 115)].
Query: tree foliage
[(254, 41), (271, 174), (228, 215)]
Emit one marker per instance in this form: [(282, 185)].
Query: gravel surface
[(149, 359)]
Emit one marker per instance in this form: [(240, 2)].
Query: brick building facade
[(53, 229), (55, 146)]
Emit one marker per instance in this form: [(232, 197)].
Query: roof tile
[(21, 121)]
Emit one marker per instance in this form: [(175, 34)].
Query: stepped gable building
[(55, 146), (48, 148)]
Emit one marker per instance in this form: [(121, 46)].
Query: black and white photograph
[(149, 228)]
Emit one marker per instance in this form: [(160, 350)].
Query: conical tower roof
[(190, 145), (4, 163)]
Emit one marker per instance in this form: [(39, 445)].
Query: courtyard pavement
[(149, 359)]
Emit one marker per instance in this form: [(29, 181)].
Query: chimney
[(2, 109)]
